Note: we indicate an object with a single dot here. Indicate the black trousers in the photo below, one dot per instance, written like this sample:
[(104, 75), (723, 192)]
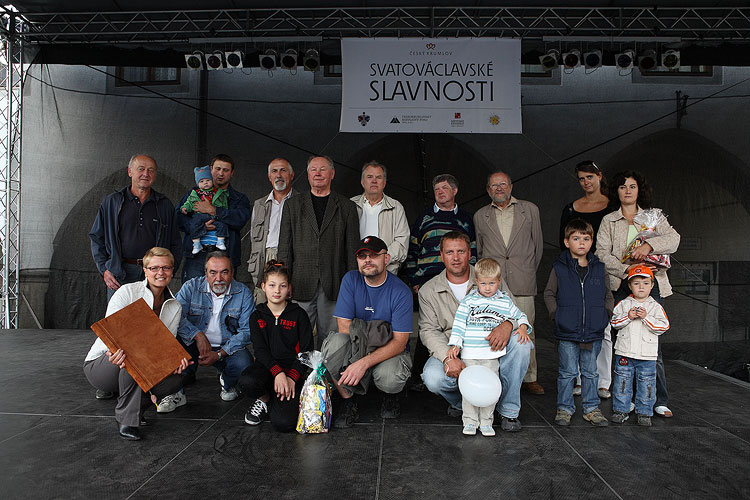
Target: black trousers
[(256, 381)]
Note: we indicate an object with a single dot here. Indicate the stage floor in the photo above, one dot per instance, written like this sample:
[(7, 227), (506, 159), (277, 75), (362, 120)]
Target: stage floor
[(58, 441)]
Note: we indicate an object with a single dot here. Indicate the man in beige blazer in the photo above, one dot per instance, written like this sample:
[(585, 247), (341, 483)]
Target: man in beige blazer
[(508, 230)]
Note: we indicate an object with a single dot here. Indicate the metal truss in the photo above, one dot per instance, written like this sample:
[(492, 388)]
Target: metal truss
[(11, 64), (696, 24)]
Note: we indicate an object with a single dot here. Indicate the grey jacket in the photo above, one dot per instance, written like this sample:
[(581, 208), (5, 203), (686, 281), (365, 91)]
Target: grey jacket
[(313, 254), (393, 229), (520, 259), (259, 228)]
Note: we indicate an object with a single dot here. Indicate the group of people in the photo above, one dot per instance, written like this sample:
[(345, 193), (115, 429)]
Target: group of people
[(342, 275)]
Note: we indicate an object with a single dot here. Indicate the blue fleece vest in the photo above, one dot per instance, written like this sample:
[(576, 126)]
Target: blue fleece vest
[(581, 314)]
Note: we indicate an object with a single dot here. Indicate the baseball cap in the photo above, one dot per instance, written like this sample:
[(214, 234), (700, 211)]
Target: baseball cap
[(371, 243), (644, 271)]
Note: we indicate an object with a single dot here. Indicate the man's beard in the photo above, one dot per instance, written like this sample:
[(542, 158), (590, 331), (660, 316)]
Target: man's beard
[(279, 184), (219, 287)]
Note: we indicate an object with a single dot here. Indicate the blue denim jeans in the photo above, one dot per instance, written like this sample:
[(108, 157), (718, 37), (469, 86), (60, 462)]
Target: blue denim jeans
[(644, 372), (513, 367), (570, 355)]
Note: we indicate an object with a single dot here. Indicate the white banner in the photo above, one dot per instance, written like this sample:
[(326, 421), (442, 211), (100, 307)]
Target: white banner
[(454, 85)]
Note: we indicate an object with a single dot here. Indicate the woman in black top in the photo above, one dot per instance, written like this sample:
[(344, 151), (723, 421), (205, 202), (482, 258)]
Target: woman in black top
[(592, 206)]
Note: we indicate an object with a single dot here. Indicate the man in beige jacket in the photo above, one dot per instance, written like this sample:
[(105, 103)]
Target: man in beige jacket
[(508, 230), (382, 216)]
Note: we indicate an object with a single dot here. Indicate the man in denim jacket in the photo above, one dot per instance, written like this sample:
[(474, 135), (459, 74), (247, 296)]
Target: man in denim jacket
[(215, 323)]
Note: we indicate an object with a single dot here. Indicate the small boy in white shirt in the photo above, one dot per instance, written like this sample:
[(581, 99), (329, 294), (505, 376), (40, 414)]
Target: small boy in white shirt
[(481, 310), (640, 320)]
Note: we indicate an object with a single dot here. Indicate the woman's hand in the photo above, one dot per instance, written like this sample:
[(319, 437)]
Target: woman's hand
[(183, 366), (117, 359), (283, 386), (640, 252)]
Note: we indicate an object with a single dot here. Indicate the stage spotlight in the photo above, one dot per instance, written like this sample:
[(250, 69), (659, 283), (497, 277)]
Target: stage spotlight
[(647, 61), (234, 59), (671, 59), (194, 61), (215, 60), (549, 61), (624, 60), (289, 59), (572, 59), (311, 61), (593, 59), (268, 60)]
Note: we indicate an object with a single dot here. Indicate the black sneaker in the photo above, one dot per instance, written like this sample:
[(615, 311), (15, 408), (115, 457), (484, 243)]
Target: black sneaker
[(346, 414), (454, 412), (100, 394), (256, 413), (391, 407), (510, 424)]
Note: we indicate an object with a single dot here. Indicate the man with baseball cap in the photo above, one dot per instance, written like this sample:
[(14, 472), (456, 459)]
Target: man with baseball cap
[(374, 349)]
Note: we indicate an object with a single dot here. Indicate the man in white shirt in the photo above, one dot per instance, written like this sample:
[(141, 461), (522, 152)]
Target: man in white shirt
[(266, 220), (382, 216)]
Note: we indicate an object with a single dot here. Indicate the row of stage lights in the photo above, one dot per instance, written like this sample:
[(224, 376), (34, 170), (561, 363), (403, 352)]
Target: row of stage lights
[(626, 60), (269, 60)]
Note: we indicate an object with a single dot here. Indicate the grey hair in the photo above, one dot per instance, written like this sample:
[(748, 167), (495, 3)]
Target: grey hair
[(132, 159), (375, 164), (326, 158), (280, 158), (510, 182)]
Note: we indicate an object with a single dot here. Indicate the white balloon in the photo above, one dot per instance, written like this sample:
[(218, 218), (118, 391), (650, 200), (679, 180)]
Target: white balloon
[(479, 385)]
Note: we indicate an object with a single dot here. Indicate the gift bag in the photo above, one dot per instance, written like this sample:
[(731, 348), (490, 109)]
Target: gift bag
[(646, 221), (315, 397)]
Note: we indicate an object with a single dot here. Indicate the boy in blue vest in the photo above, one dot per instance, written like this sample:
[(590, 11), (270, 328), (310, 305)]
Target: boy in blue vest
[(580, 303)]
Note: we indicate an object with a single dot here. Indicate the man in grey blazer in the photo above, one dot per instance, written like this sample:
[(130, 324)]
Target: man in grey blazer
[(318, 239), (508, 230), (265, 222)]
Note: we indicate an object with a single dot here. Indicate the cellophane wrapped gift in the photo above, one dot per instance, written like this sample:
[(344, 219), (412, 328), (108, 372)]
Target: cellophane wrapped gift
[(315, 398), (646, 221)]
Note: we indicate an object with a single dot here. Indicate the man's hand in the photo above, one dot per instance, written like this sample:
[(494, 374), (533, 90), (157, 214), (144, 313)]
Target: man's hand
[(204, 207), (117, 359), (640, 252), (210, 225), (184, 210), (110, 280), (183, 366), (500, 335), (284, 386), (523, 334), (204, 346), (453, 352), (453, 367), (353, 373), (208, 359)]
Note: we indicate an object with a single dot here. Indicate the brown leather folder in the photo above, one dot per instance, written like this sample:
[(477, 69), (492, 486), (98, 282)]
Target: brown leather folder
[(152, 352)]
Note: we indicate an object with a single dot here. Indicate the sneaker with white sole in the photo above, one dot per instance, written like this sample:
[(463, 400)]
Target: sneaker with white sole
[(487, 430), (619, 417), (663, 411), (227, 394), (603, 393), (172, 402), (256, 413), (577, 390), (470, 430)]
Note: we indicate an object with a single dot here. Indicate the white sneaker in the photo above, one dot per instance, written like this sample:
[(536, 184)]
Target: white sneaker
[(172, 402), (227, 394), (577, 390), (197, 247), (603, 393), (220, 244), (632, 407), (487, 430), (470, 430), (663, 411)]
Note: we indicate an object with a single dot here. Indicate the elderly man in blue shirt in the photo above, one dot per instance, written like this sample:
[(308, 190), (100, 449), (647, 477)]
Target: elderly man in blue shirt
[(215, 323)]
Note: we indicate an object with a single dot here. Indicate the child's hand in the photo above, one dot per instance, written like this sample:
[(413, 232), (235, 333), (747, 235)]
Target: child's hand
[(453, 352), (523, 334), (641, 312), (283, 386), (184, 210), (633, 313)]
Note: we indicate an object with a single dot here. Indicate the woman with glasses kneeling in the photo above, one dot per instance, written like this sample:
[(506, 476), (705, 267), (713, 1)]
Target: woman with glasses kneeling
[(106, 371)]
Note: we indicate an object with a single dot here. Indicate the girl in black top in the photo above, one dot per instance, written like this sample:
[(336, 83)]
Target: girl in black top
[(592, 206), (279, 330)]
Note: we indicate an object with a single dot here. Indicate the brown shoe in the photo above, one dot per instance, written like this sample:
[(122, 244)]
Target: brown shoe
[(533, 387)]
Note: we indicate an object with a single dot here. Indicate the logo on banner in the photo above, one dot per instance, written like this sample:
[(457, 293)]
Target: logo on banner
[(363, 119), (495, 120), (456, 116), (430, 46), (457, 122), (395, 120)]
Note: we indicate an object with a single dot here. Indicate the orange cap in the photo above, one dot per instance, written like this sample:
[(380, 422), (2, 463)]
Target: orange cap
[(640, 270)]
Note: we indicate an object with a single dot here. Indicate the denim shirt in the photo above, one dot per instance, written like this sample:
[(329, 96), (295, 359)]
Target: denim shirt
[(234, 319)]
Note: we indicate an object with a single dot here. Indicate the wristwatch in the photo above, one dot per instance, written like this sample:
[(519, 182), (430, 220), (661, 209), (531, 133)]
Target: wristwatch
[(219, 354)]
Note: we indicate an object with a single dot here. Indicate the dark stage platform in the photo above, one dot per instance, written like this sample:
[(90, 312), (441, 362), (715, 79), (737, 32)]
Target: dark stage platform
[(57, 441)]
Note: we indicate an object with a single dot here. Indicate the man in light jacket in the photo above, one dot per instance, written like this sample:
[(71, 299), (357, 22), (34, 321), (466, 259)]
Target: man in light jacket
[(382, 216)]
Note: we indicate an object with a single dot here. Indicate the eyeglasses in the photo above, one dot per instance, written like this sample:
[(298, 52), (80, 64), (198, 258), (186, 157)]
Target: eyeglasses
[(365, 255), (155, 269), (499, 185)]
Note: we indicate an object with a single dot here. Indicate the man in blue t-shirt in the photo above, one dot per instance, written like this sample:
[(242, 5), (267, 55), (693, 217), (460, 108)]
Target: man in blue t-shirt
[(373, 295)]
